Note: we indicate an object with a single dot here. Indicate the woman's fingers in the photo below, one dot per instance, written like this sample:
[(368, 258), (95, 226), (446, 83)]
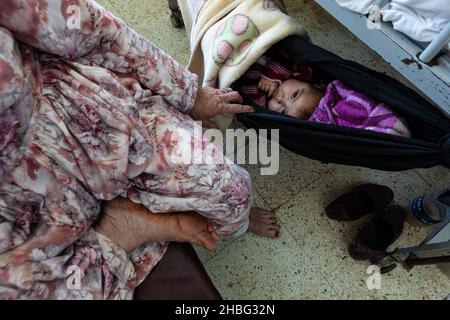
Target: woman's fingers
[(233, 96), (237, 108), (209, 124), (211, 102), (233, 103)]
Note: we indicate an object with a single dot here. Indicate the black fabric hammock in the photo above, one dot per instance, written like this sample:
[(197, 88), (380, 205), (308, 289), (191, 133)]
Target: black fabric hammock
[(429, 146)]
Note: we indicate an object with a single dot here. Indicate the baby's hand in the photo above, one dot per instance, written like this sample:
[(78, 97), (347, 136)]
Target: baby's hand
[(268, 86)]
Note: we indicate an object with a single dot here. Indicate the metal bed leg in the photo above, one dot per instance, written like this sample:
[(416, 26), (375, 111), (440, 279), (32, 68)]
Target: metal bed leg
[(428, 252), (380, 3), (436, 45), (414, 261), (176, 17)]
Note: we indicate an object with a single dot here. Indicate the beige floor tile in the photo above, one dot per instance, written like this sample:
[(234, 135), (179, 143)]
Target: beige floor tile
[(325, 241), (151, 19), (305, 218), (183, 56), (295, 173), (258, 268), (438, 177), (349, 280), (205, 255)]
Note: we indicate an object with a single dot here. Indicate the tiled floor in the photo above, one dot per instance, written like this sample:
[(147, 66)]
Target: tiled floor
[(310, 261)]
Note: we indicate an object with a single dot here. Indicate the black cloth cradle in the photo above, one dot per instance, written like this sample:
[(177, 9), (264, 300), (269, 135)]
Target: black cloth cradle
[(429, 146)]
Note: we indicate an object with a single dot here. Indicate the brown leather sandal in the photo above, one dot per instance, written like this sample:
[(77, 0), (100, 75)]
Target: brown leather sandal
[(382, 231), (360, 201)]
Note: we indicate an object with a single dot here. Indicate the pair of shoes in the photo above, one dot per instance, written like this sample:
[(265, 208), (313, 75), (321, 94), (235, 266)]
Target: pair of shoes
[(386, 226)]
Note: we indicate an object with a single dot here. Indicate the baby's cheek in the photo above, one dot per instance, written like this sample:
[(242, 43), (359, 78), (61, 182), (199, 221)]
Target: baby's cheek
[(297, 112), (272, 106)]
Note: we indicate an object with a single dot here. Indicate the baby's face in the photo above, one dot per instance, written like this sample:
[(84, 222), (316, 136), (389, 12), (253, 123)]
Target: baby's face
[(296, 98)]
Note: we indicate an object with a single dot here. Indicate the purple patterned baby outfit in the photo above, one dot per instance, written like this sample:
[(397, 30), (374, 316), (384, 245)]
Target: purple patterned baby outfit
[(343, 106)]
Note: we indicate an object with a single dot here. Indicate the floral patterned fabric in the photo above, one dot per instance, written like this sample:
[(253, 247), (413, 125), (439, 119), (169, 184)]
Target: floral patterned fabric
[(88, 114)]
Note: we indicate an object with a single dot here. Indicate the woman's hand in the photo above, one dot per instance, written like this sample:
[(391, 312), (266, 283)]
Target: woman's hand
[(211, 102), (268, 86)]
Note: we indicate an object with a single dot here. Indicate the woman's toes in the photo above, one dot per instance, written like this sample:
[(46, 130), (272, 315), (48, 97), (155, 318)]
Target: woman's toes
[(265, 231), (195, 229), (268, 221), (208, 241), (272, 220), (264, 223), (212, 230), (261, 213), (274, 233), (215, 235), (274, 230)]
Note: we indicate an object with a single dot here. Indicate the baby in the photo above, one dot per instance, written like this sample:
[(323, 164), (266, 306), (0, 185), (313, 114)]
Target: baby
[(269, 83), (294, 98), (272, 78)]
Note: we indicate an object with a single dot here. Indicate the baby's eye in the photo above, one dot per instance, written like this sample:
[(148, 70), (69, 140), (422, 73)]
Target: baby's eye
[(295, 94)]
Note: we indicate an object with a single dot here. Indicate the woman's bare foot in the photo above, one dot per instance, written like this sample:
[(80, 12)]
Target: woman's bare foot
[(131, 225), (192, 227), (264, 223)]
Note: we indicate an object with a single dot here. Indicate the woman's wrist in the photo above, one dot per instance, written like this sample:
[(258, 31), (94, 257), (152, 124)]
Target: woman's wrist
[(194, 97)]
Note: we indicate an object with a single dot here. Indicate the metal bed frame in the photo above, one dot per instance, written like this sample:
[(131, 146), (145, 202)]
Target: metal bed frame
[(435, 47)]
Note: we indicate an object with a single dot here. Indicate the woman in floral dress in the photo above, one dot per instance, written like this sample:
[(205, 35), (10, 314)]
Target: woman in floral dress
[(93, 118)]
